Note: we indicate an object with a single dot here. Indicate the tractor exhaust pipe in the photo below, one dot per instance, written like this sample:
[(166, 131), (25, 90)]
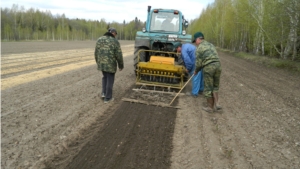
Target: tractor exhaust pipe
[(149, 8)]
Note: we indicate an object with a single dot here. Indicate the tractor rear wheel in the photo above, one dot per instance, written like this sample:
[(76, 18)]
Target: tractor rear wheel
[(136, 59)]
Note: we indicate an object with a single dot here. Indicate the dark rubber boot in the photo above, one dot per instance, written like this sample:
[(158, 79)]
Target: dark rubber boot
[(216, 101), (210, 104)]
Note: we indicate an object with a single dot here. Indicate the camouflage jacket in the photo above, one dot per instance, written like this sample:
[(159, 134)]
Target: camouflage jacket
[(108, 53), (206, 53)]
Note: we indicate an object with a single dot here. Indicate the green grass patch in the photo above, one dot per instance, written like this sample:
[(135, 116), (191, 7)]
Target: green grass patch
[(267, 61)]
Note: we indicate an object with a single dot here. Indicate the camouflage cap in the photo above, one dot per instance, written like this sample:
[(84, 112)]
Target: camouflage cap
[(198, 35), (112, 30)]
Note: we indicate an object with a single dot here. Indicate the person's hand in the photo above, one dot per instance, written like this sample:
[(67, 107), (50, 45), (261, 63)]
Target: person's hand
[(120, 69), (195, 73)]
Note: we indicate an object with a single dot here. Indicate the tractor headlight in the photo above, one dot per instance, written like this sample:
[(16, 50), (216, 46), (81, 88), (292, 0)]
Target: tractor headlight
[(144, 30), (183, 32)]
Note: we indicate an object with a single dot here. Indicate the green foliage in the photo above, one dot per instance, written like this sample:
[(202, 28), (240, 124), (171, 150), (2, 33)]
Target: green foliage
[(20, 24), (268, 61), (261, 27)]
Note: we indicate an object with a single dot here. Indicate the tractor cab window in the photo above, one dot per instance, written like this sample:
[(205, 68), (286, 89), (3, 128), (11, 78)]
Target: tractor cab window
[(164, 21)]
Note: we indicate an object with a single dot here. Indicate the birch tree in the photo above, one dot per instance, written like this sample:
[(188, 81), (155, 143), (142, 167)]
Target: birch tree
[(292, 8)]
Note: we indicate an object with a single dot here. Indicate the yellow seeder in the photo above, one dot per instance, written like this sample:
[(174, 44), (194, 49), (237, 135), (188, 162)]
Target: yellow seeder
[(160, 71)]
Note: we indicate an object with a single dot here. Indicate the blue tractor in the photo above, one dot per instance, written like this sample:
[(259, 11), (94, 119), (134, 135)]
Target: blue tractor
[(155, 61)]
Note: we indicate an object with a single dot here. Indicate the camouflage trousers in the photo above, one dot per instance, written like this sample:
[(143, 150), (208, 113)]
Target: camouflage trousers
[(212, 74)]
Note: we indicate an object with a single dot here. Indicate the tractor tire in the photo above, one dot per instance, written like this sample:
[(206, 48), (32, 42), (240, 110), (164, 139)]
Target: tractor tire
[(181, 63), (185, 77), (136, 58)]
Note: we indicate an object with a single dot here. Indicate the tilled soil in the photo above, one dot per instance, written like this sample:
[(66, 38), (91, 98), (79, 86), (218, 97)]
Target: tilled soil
[(142, 138), (52, 115)]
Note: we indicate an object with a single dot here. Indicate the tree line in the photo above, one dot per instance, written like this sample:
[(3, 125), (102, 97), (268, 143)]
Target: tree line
[(262, 27), (18, 24)]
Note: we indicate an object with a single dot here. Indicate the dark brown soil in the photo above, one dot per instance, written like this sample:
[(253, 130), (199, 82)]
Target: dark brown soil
[(135, 137), (42, 46)]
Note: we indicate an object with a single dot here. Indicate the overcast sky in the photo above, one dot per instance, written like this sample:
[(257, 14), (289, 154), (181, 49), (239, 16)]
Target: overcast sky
[(110, 10)]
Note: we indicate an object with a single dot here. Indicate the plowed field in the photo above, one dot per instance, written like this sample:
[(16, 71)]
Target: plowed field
[(52, 115)]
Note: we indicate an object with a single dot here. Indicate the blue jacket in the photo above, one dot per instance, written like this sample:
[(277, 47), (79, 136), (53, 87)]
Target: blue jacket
[(188, 53)]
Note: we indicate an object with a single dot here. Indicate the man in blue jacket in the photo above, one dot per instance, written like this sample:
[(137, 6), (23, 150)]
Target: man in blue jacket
[(188, 54)]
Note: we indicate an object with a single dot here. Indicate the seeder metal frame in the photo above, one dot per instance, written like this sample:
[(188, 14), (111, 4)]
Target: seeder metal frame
[(160, 71)]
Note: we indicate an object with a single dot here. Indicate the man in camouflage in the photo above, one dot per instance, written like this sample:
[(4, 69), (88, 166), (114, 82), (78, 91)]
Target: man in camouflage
[(108, 56), (207, 59)]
